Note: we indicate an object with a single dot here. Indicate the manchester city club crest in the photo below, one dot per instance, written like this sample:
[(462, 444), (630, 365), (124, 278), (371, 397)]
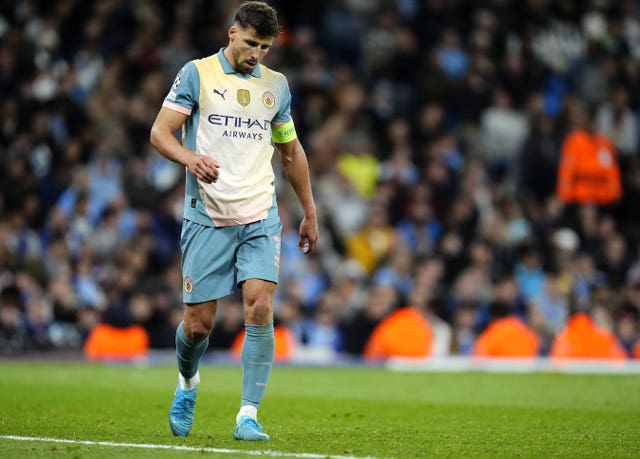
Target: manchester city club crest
[(268, 100), (188, 285), (244, 97)]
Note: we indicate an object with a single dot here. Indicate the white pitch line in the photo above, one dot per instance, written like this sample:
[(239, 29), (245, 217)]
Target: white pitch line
[(182, 448)]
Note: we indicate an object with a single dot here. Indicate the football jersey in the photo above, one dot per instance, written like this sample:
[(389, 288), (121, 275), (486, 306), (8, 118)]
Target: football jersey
[(230, 119)]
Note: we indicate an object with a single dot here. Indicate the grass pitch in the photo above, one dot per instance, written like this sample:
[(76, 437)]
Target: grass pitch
[(317, 412)]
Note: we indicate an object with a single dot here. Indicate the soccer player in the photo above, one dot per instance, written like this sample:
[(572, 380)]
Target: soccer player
[(232, 111)]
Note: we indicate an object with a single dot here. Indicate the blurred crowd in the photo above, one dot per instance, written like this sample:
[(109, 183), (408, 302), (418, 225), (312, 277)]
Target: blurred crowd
[(436, 132)]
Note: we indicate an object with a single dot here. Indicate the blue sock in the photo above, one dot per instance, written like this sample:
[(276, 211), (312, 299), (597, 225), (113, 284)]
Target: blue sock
[(257, 354), (188, 352)]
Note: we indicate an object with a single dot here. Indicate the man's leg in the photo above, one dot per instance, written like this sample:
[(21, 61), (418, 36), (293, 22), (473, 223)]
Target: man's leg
[(192, 340), (256, 357)]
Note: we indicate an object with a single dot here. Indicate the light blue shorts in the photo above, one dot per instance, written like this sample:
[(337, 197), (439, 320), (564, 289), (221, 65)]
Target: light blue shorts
[(215, 260)]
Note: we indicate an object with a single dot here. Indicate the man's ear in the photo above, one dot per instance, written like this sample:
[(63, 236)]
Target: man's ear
[(232, 32)]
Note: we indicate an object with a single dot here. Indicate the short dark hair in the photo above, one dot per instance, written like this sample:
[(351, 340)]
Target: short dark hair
[(259, 15)]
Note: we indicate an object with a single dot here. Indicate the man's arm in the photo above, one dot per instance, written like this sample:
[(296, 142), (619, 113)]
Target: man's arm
[(294, 162), (169, 121)]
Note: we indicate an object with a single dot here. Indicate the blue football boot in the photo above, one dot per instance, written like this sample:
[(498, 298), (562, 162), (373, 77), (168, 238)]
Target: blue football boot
[(249, 429)]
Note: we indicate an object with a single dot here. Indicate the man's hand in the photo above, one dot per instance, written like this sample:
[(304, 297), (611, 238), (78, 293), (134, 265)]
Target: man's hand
[(162, 137), (308, 234), (204, 168)]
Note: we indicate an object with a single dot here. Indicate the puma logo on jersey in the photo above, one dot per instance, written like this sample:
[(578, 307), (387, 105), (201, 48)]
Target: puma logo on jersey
[(221, 94)]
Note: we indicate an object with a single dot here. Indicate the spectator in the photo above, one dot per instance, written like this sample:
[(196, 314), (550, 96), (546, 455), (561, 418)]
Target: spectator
[(548, 310), (626, 328), (358, 163), (374, 241), (529, 274), (419, 231), (425, 300), (451, 56), (503, 133), (349, 287), (322, 329), (539, 158), (618, 122), (357, 328), (398, 271), (13, 333)]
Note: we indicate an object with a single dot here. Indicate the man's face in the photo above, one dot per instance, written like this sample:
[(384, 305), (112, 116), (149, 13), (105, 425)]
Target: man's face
[(247, 49)]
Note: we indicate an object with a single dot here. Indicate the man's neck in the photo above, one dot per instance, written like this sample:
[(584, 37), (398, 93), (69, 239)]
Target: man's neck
[(229, 57)]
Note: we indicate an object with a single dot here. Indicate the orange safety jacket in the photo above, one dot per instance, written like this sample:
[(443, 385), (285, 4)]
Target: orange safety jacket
[(507, 337), (404, 333), (581, 338), (588, 171), (106, 342)]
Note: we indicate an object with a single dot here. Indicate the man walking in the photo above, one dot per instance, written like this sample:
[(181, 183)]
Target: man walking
[(232, 111)]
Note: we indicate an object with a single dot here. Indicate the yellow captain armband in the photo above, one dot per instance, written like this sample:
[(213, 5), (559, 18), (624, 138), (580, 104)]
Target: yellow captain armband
[(284, 133)]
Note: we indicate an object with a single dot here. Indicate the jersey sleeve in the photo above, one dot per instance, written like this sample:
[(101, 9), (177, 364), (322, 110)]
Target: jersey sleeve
[(284, 112), (283, 129), (185, 91)]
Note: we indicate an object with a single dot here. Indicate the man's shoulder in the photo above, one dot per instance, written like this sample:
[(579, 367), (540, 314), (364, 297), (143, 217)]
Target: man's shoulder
[(208, 61), (273, 75)]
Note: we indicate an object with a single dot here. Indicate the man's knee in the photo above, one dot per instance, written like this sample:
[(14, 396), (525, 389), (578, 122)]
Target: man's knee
[(258, 302), (198, 322), (258, 312), (197, 331)]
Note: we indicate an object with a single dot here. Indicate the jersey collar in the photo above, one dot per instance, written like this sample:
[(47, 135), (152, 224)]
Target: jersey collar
[(226, 66)]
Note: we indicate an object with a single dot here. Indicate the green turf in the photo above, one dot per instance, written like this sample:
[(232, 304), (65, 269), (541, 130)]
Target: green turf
[(353, 412)]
